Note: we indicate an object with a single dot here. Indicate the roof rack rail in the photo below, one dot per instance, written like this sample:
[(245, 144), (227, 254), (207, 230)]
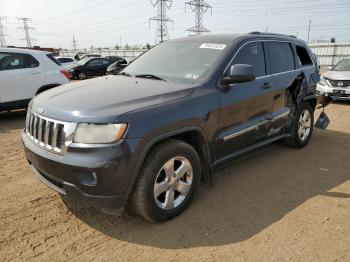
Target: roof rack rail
[(266, 33)]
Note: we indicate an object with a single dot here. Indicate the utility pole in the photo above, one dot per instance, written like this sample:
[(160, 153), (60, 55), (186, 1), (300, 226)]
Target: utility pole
[(74, 43), (308, 32), (199, 7), (161, 18), (2, 34), (26, 29)]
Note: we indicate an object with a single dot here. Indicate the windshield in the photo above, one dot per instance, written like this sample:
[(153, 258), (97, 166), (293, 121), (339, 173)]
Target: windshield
[(343, 65), (84, 60), (184, 62)]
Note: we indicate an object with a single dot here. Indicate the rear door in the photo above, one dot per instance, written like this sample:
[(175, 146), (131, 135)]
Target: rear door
[(284, 74), (245, 107), (20, 76)]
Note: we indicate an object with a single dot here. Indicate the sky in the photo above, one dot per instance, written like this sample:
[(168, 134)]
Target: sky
[(105, 23)]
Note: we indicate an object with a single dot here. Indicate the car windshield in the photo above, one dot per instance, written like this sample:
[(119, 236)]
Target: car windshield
[(343, 65), (84, 60), (184, 62)]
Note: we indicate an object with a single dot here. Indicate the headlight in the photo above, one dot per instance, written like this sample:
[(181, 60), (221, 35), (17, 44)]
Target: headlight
[(323, 81), (99, 133)]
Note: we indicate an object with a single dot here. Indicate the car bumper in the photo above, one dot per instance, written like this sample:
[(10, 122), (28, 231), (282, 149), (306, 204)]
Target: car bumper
[(335, 92), (99, 177)]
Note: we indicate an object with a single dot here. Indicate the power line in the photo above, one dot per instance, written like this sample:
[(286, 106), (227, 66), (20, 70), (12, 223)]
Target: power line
[(161, 18), (26, 30), (199, 7), (2, 35)]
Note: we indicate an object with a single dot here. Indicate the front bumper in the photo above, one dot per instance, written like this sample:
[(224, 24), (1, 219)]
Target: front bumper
[(99, 177), (336, 93)]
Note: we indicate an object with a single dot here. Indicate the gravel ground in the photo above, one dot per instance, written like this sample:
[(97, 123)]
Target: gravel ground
[(277, 204)]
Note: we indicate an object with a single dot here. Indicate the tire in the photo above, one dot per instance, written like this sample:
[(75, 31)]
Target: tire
[(151, 197), (81, 76), (303, 120)]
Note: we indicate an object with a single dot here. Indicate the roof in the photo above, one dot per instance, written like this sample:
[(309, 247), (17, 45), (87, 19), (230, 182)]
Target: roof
[(231, 37), (22, 50)]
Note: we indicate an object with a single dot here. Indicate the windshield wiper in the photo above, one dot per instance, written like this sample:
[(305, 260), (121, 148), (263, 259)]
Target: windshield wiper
[(150, 76)]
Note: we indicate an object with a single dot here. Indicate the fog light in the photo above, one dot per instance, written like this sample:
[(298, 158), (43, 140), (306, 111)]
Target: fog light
[(87, 178)]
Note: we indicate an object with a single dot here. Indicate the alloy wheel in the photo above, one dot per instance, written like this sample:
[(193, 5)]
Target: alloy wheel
[(173, 183)]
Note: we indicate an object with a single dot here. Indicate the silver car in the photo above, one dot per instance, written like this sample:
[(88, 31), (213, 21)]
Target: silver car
[(336, 82)]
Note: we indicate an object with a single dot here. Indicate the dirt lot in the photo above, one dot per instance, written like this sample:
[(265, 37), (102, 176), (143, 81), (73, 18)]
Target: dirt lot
[(278, 204)]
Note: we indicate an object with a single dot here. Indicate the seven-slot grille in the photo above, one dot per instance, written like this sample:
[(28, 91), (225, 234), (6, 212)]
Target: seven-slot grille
[(46, 132), (334, 83)]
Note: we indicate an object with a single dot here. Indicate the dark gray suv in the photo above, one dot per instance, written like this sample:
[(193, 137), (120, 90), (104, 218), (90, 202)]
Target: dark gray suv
[(147, 137)]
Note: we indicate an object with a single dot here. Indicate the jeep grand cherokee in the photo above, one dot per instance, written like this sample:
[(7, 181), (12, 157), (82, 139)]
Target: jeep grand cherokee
[(146, 138)]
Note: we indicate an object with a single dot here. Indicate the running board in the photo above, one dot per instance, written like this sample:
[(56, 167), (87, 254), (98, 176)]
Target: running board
[(248, 149)]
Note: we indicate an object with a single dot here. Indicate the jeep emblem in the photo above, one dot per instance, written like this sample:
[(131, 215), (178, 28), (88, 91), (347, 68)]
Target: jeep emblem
[(40, 110), (340, 84)]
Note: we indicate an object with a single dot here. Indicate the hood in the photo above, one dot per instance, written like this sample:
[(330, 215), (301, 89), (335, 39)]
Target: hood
[(337, 75), (103, 99)]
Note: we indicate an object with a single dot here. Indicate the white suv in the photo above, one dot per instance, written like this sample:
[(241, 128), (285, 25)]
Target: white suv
[(25, 73)]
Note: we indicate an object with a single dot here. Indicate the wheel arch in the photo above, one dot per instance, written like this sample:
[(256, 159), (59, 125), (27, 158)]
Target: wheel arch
[(46, 87), (192, 135)]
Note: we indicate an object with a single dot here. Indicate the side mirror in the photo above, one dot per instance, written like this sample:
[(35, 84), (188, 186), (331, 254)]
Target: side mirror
[(239, 73)]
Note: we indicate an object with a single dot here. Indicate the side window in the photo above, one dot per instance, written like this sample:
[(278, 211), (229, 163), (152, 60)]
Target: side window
[(303, 56), (12, 61), (252, 54), (93, 63), (106, 62), (281, 57)]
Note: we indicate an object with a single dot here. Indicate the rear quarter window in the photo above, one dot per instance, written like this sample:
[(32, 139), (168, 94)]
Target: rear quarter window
[(281, 57), (303, 56), (53, 59)]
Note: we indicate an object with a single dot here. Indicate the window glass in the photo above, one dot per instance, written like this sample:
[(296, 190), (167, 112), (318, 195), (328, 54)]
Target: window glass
[(65, 60), (303, 56), (281, 57), (94, 62), (106, 61), (252, 54), (53, 59), (12, 61), (343, 65)]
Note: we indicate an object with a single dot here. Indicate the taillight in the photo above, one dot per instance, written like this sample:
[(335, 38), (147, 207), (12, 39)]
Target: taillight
[(66, 74)]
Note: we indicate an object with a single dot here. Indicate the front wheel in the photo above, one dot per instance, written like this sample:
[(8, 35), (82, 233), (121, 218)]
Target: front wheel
[(82, 76), (302, 126), (167, 181)]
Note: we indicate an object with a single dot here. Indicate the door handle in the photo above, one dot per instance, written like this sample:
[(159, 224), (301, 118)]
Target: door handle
[(266, 86)]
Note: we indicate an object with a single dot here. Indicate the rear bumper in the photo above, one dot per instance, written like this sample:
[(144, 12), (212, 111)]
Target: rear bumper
[(99, 177)]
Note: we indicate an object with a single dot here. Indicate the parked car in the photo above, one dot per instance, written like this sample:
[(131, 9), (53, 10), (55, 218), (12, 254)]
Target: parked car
[(25, 73), (66, 61), (116, 67), (336, 82), (89, 67), (147, 137)]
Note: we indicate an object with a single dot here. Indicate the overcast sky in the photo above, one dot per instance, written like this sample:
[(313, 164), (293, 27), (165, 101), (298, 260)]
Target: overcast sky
[(103, 23)]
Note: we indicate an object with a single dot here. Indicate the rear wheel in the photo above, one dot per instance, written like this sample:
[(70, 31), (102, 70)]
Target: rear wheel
[(302, 127), (167, 181), (81, 76)]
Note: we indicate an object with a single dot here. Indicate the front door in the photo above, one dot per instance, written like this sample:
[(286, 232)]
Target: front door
[(245, 107)]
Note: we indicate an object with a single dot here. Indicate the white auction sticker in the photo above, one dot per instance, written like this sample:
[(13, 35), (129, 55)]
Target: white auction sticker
[(213, 46)]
